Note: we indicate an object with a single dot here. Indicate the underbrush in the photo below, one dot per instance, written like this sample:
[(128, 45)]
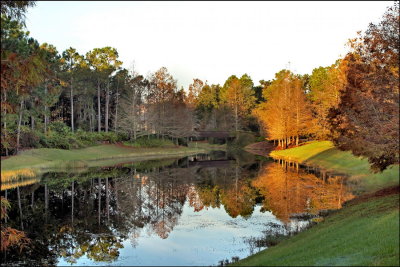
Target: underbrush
[(60, 136)]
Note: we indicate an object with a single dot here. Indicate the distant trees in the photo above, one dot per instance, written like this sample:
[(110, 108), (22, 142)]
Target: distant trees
[(354, 102), (238, 95), (131, 106), (103, 61), (366, 120), (286, 115), (208, 107), (325, 84), (71, 61)]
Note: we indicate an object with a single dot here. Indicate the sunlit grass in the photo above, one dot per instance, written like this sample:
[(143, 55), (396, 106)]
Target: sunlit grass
[(324, 155), (54, 158), (364, 234), (304, 152)]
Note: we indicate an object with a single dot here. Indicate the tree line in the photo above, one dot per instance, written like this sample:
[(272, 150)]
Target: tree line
[(354, 102), (53, 99)]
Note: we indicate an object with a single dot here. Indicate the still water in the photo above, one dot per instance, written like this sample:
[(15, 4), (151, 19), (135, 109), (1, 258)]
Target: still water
[(197, 210)]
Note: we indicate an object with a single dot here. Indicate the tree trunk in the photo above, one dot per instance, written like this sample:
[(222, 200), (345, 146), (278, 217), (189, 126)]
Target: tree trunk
[(99, 201), (107, 105), (20, 208), (107, 201), (72, 200), (236, 118), (19, 126), (5, 120), (214, 118), (116, 112), (32, 123), (72, 107), (45, 109), (98, 107)]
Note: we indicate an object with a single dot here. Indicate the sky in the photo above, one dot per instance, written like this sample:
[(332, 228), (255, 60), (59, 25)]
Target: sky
[(207, 40)]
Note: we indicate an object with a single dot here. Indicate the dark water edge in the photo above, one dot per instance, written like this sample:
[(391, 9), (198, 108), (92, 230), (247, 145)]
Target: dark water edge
[(197, 210)]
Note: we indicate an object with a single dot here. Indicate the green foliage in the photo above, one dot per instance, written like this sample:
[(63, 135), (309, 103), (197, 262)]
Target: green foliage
[(242, 139)]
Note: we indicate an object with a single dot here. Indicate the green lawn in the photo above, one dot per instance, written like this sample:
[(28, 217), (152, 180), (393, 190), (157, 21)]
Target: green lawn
[(359, 234), (49, 157), (324, 155), (363, 234)]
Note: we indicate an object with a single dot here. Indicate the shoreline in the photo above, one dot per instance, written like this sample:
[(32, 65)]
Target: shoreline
[(377, 204), (37, 160)]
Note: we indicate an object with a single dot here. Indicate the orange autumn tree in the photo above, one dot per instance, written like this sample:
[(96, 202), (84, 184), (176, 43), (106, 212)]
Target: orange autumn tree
[(285, 116)]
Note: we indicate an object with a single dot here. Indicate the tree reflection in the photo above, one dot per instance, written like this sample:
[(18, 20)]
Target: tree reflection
[(288, 190), (90, 213)]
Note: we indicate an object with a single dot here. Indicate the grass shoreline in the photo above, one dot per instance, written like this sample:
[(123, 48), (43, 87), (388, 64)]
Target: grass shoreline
[(364, 232), (101, 155), (323, 154)]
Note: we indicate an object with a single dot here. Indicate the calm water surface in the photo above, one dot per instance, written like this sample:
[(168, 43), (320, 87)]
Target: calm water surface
[(195, 210)]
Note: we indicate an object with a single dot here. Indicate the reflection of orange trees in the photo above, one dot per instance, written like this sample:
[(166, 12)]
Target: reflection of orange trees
[(7, 176), (209, 196), (19, 183), (287, 191), (239, 199), (194, 199), (10, 237), (230, 187), (104, 248)]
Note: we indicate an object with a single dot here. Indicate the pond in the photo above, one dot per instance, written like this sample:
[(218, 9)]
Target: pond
[(197, 210)]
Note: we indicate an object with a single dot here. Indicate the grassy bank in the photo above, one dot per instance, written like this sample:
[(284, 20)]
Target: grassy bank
[(324, 155), (364, 233), (50, 158)]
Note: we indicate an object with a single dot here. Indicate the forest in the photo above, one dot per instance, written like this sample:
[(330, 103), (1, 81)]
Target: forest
[(104, 164), (72, 99)]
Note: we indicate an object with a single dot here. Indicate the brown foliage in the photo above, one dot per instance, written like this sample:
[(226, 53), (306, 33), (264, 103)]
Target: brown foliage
[(11, 237), (367, 118)]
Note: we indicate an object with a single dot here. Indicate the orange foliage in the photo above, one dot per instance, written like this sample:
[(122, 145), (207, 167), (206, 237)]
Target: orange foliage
[(287, 191)]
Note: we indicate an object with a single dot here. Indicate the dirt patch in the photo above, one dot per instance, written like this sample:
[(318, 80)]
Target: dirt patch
[(392, 190)]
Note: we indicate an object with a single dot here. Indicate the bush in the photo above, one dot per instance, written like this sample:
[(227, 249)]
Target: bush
[(29, 138), (243, 139), (59, 127), (110, 137)]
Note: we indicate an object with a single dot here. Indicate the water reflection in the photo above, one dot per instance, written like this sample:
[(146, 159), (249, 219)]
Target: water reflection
[(191, 211), (288, 189)]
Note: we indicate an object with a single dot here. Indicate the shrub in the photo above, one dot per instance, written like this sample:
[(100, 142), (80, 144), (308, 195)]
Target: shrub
[(59, 127), (29, 138), (110, 137), (243, 139)]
